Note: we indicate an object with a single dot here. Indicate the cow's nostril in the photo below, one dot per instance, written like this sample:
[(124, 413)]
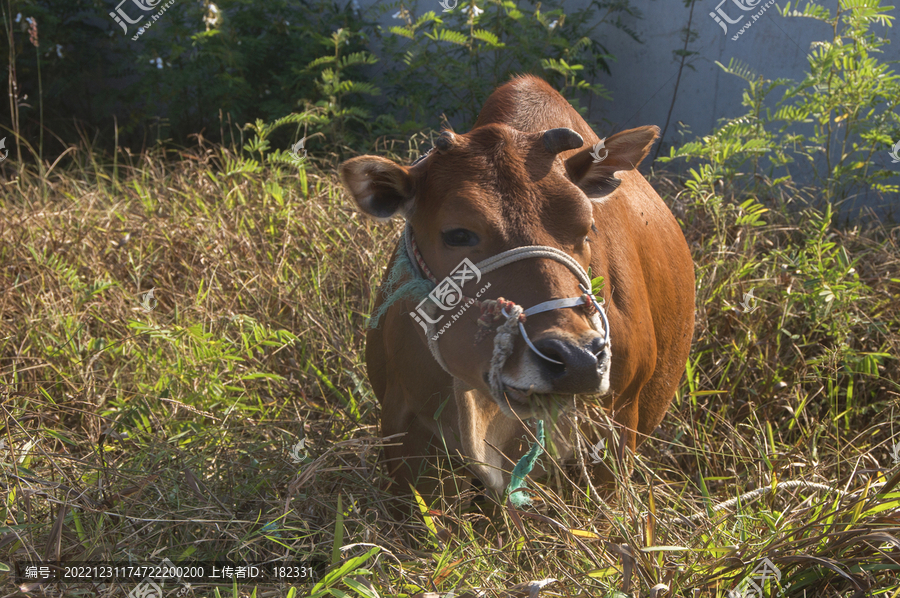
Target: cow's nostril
[(597, 345), (557, 351), (578, 371), (555, 370)]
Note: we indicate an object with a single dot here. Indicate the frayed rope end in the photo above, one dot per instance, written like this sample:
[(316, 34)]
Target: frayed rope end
[(523, 468), (413, 288)]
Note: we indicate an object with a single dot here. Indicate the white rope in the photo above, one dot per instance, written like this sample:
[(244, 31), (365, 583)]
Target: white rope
[(504, 340), (520, 253), (432, 339), (754, 494), (554, 304)]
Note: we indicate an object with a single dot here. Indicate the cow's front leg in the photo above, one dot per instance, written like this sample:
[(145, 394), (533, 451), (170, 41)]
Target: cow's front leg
[(492, 441), (423, 455)]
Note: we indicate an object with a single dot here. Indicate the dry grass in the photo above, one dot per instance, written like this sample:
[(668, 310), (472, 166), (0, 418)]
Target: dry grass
[(135, 434)]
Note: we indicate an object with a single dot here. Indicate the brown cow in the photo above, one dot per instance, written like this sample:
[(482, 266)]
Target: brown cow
[(520, 179)]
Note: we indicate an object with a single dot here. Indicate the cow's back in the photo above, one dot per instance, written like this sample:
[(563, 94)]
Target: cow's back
[(529, 104)]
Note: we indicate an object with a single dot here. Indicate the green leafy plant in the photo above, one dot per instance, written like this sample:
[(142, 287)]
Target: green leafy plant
[(203, 67), (465, 53), (597, 285), (829, 125), (260, 143), (850, 97), (335, 87), (338, 117), (345, 573)]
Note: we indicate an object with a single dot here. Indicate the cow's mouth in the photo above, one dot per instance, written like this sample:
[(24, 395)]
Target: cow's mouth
[(526, 403), (517, 396)]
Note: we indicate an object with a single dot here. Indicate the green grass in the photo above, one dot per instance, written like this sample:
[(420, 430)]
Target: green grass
[(168, 433)]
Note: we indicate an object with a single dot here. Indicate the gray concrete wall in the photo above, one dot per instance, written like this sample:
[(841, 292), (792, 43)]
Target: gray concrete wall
[(644, 76), (773, 46), (643, 82)]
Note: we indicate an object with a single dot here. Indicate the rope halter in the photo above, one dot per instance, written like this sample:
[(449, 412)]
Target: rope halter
[(495, 309)]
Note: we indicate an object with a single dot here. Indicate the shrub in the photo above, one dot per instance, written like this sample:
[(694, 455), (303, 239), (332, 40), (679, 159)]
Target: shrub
[(199, 66), (448, 63), (826, 129)]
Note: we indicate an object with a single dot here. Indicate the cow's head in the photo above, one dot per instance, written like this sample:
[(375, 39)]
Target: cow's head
[(491, 190)]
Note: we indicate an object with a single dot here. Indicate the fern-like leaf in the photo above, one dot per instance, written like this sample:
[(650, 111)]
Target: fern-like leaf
[(487, 37), (454, 37), (739, 69)]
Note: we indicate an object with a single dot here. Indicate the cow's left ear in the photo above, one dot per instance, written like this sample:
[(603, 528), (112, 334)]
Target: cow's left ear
[(592, 168), (380, 187)]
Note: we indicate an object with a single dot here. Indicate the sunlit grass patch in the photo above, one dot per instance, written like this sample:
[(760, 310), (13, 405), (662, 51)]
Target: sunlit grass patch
[(229, 416)]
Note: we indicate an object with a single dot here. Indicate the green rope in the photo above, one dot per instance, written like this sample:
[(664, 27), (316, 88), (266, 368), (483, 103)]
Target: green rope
[(414, 288), (523, 468)]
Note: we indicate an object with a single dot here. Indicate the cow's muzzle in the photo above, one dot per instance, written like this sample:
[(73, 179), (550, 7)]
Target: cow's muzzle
[(572, 368)]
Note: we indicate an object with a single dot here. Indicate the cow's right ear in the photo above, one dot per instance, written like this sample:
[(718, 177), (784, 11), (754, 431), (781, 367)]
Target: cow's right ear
[(380, 187)]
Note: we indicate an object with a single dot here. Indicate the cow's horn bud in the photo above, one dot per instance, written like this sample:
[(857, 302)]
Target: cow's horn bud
[(562, 139), (444, 142)]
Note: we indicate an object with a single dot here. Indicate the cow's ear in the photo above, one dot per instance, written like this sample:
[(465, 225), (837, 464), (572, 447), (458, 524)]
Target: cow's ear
[(380, 187), (593, 168)]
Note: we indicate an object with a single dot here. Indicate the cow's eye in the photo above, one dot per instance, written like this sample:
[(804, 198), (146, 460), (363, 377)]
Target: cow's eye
[(460, 237)]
